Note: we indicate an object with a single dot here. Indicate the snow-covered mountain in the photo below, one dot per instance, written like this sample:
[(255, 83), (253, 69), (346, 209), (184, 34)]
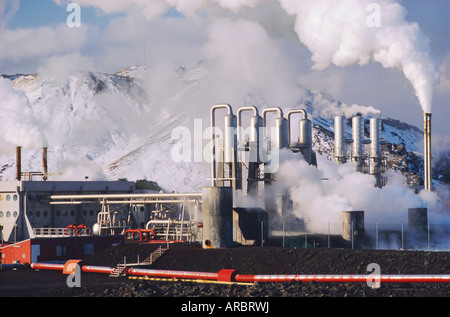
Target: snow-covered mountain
[(111, 126)]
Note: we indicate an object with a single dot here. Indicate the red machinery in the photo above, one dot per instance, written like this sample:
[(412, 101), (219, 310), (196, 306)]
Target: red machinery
[(78, 229), (140, 235)]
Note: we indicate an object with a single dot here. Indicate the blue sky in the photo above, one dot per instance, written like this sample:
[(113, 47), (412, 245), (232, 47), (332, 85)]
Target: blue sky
[(118, 33), (37, 13)]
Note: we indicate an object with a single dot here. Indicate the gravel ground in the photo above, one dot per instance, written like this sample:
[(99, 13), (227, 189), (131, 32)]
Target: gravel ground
[(24, 281)]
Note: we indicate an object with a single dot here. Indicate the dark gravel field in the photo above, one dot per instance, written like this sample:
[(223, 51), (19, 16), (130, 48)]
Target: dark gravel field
[(25, 281)]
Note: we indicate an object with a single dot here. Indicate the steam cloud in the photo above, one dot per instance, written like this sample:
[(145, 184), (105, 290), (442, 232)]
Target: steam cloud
[(18, 126), (337, 32)]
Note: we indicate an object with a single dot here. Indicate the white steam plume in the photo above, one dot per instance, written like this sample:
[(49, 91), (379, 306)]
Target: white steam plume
[(339, 32), (321, 194), (19, 125)]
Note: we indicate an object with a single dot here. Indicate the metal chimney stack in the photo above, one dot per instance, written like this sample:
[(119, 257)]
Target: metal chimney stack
[(427, 151), (18, 163), (44, 164)]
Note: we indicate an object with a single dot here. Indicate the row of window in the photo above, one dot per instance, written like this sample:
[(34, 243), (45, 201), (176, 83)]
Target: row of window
[(38, 213), (8, 197), (8, 214), (58, 213)]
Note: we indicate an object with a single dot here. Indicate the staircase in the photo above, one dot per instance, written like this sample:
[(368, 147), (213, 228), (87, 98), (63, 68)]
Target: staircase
[(118, 270), (155, 255)]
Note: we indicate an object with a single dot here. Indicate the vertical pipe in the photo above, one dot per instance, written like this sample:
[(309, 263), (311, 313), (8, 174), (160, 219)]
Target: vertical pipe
[(213, 139), (305, 134), (282, 135), (253, 147), (44, 164), (375, 150), (357, 148), (18, 163), (339, 139), (280, 142), (305, 117), (427, 151)]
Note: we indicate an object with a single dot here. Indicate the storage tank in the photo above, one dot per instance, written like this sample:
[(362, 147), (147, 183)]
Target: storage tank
[(358, 135), (281, 136), (375, 137)]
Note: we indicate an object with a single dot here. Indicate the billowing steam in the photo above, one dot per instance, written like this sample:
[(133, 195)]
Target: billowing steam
[(341, 33), (19, 119)]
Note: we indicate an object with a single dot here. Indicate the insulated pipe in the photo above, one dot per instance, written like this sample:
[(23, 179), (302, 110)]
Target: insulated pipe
[(47, 266), (144, 201), (305, 117), (428, 278), (97, 269), (230, 274), (280, 121), (172, 274), (239, 120), (213, 137), (254, 130), (126, 196)]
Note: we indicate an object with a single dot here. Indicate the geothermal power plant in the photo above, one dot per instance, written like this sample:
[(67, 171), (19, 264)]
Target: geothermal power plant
[(55, 220)]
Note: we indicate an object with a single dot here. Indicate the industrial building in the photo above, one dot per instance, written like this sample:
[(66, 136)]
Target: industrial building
[(34, 211)]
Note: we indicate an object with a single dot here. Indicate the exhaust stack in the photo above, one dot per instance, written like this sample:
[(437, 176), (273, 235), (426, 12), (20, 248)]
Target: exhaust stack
[(44, 164), (18, 163), (427, 151)]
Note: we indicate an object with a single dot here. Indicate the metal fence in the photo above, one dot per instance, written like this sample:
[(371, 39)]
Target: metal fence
[(383, 236)]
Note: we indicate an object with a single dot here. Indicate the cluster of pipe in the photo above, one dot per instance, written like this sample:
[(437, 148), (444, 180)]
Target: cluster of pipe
[(257, 145), (43, 174), (228, 161), (375, 165)]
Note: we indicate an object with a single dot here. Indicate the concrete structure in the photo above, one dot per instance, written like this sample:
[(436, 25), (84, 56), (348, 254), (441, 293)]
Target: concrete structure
[(353, 226), (217, 212), (418, 220)]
